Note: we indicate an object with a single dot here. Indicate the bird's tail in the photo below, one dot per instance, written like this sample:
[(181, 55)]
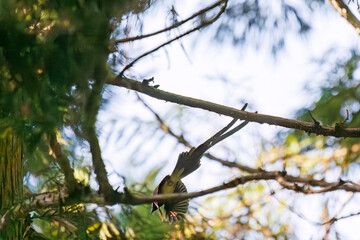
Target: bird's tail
[(186, 164), (189, 161)]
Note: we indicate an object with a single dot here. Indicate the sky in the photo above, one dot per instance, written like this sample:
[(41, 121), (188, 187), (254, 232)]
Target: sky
[(274, 86)]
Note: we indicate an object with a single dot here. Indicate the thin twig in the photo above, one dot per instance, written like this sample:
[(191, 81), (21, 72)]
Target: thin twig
[(347, 117), (198, 13), (293, 210), (339, 218), (202, 25), (334, 219), (316, 122)]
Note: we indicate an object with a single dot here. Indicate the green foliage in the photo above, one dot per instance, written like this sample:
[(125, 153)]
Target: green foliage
[(51, 55), (53, 66), (339, 93), (338, 106), (322, 157), (244, 212), (137, 221), (141, 225)]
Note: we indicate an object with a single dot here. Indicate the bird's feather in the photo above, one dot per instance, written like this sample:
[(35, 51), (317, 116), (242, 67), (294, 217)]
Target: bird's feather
[(175, 211), (186, 164)]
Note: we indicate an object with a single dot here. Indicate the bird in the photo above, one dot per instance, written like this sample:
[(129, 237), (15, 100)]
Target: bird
[(187, 163)]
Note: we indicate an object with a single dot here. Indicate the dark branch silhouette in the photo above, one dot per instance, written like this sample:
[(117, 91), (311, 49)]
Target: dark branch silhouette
[(308, 127), (64, 163), (202, 25), (199, 13)]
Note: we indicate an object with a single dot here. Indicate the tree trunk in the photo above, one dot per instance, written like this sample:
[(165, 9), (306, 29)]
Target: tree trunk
[(11, 184)]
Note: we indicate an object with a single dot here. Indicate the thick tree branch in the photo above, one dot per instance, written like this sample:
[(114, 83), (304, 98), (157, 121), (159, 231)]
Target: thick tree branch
[(279, 176), (201, 12), (98, 163), (91, 110), (64, 163), (202, 25), (299, 184), (304, 185), (308, 127), (346, 13)]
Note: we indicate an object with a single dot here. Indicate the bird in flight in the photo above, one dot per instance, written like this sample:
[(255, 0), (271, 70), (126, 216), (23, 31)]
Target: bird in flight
[(187, 163)]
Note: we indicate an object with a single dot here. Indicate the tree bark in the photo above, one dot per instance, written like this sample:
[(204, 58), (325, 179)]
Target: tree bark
[(11, 184)]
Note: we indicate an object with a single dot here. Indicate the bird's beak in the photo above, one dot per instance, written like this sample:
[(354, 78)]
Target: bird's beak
[(153, 209)]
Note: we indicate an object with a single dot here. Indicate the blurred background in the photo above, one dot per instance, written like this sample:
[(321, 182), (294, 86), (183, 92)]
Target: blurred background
[(283, 58)]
